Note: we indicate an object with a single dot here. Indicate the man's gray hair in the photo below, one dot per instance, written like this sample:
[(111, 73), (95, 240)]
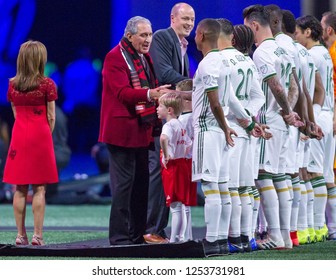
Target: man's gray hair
[(132, 24)]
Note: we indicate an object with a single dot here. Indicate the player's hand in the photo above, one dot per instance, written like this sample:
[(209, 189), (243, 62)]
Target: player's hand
[(257, 131), (293, 119), (266, 134), (228, 136)]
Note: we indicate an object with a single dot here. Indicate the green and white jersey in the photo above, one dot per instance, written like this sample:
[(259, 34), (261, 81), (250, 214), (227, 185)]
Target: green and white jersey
[(272, 60), (324, 65), (213, 72), (307, 69), (246, 86)]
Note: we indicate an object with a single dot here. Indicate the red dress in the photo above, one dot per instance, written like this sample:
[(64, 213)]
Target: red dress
[(31, 157)]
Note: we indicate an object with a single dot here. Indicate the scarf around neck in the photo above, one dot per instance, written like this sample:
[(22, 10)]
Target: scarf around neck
[(138, 73)]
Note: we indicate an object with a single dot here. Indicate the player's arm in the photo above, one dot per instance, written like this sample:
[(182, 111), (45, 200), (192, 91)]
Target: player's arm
[(164, 146), (217, 111), (294, 89)]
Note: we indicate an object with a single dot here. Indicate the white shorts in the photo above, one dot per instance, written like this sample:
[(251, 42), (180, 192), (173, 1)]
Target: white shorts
[(241, 162), (303, 153), (210, 160), (293, 143), (273, 152), (255, 147), (322, 151)]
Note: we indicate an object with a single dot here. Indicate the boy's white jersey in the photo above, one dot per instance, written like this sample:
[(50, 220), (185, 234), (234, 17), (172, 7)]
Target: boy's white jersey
[(179, 142), (287, 43), (272, 60), (213, 72), (186, 121), (306, 69), (324, 65), (246, 86)]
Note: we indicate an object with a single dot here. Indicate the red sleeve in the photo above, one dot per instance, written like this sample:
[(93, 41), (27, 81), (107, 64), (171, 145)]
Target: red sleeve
[(116, 77), (51, 90), (10, 92)]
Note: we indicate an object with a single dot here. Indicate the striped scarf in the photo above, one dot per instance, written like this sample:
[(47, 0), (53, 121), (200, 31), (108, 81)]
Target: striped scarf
[(145, 110)]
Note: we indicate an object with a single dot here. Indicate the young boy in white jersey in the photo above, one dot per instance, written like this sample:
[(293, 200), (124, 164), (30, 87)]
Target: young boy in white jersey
[(175, 145), (270, 61), (211, 93), (245, 83), (308, 33), (186, 119)]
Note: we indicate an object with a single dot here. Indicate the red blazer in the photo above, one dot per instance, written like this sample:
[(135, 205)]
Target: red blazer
[(118, 120)]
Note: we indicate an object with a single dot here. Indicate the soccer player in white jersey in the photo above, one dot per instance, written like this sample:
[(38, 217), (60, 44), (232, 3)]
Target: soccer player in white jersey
[(312, 87), (211, 93), (308, 33), (245, 83), (328, 23), (283, 182), (270, 61)]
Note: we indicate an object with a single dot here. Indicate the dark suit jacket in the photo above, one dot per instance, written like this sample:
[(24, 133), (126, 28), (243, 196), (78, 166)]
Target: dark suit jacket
[(166, 54), (118, 120)]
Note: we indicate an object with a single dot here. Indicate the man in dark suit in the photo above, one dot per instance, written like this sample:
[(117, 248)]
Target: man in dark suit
[(129, 83), (171, 65)]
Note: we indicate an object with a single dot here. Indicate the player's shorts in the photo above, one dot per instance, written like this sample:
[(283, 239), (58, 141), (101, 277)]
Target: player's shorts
[(241, 161), (210, 160), (293, 142), (255, 147), (322, 151), (273, 152), (303, 153)]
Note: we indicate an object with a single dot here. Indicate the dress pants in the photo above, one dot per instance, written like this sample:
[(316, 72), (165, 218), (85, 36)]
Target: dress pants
[(129, 177), (158, 212)]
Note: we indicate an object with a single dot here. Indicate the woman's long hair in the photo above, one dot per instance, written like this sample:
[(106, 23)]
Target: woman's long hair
[(30, 66)]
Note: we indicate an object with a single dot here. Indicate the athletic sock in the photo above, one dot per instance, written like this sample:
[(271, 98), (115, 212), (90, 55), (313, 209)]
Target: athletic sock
[(234, 228), (320, 201), (270, 204), (212, 210), (331, 210), (295, 203), (310, 204), (246, 211), (226, 208), (285, 204), (188, 231), (289, 183), (177, 222), (256, 206), (302, 223)]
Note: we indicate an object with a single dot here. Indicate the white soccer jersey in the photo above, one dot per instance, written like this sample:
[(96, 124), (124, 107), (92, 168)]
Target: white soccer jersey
[(307, 69), (246, 86), (272, 60), (324, 65), (287, 43), (213, 72), (186, 120), (179, 142)]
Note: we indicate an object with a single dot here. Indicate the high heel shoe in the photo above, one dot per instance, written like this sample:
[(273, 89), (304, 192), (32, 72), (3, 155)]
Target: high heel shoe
[(37, 241), (21, 240)]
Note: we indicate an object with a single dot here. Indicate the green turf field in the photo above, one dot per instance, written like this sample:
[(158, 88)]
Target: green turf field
[(61, 223)]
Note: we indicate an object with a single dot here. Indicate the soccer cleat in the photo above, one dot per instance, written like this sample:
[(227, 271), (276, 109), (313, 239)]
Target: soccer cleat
[(332, 236), (303, 236), (253, 244), (288, 244), (211, 249), (312, 235), (294, 238), (235, 245), (320, 235), (325, 231), (269, 244), (223, 247), (246, 243)]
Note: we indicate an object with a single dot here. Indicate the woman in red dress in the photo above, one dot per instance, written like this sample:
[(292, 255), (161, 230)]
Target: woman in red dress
[(31, 158)]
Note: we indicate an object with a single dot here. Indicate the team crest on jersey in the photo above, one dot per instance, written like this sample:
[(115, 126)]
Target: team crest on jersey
[(207, 80), (264, 69)]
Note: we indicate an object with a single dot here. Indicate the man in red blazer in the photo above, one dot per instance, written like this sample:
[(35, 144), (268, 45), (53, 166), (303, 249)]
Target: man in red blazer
[(127, 116)]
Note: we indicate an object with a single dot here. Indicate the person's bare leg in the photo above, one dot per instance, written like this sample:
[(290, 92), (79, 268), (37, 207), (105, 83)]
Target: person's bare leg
[(38, 206), (19, 207)]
